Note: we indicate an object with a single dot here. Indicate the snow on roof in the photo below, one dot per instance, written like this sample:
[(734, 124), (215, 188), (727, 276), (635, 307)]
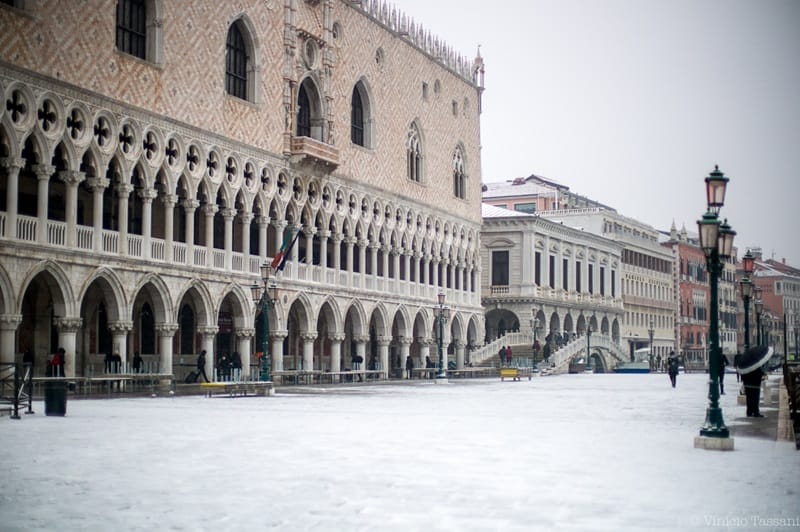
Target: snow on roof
[(492, 211)]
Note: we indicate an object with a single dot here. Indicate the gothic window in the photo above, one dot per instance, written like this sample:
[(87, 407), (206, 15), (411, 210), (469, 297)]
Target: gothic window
[(414, 154), (132, 28), (459, 177), (357, 118), (303, 113), (236, 62)]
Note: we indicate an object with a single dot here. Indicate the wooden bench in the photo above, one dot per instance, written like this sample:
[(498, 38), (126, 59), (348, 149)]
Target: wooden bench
[(515, 373), (234, 389)]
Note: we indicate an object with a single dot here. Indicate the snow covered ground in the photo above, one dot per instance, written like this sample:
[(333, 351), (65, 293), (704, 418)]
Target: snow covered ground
[(573, 452)]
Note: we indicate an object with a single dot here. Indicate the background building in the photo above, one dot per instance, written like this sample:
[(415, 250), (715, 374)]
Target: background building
[(155, 153)]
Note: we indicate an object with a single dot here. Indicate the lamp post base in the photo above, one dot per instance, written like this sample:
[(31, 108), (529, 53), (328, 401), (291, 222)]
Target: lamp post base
[(713, 443)]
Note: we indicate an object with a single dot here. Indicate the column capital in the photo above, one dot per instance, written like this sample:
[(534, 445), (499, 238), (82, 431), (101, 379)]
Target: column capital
[(10, 322), (68, 325), (336, 337), (208, 330), (97, 184), (308, 336), (190, 204), (361, 339), (43, 171), (246, 217), (210, 209), (279, 335), (169, 199), (228, 214), (120, 326), (72, 177), (148, 195), (167, 329), (262, 220), (245, 333), (12, 163), (324, 234), (123, 190), (384, 340), (405, 340)]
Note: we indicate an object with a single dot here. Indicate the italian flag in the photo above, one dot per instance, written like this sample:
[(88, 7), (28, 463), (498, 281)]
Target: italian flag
[(279, 261)]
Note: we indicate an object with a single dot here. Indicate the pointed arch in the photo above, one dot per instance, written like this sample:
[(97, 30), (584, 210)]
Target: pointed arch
[(361, 115), (241, 60), (414, 153), (310, 113)]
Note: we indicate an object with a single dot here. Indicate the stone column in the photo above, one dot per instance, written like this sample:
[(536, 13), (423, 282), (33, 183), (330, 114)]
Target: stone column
[(361, 350), (407, 260), (12, 165), (459, 345), (209, 210), (244, 221), (43, 173), (362, 262), (349, 242), (436, 261), (263, 252), (383, 354), (71, 179), (405, 349), (228, 216), (67, 334), (308, 234), (169, 201), (308, 349), (323, 250), (209, 333), (119, 334), (147, 195), (189, 206), (280, 228), (8, 333), (373, 259), (276, 349), (424, 349), (123, 191), (97, 186), (337, 252), (244, 339), (336, 350), (166, 332)]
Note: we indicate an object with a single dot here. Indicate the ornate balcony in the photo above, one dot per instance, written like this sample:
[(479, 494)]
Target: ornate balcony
[(306, 150)]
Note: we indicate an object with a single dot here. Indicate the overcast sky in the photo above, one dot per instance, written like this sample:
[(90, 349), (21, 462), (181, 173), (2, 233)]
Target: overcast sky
[(633, 102)]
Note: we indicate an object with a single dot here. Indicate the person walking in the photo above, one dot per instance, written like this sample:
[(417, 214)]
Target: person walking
[(672, 368), (752, 391), (137, 362), (503, 356), (723, 363), (409, 366), (508, 356), (201, 365)]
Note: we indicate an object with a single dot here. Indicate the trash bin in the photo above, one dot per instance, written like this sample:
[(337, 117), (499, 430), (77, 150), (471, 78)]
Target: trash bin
[(55, 398)]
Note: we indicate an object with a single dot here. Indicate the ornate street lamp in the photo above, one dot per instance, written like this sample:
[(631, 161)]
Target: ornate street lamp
[(651, 331), (746, 287), (265, 295), (534, 326), (759, 306), (716, 241), (444, 315)]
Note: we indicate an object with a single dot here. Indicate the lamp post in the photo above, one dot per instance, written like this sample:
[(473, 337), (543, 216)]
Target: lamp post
[(589, 331), (747, 291), (264, 295), (759, 306), (716, 241), (652, 332), (442, 318), (534, 326)]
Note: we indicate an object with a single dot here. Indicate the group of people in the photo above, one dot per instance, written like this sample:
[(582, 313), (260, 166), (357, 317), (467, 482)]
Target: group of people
[(228, 366), (506, 356)]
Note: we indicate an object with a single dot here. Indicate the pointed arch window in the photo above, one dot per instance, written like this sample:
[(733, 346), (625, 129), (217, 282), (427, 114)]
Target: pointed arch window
[(357, 118), (132, 27), (459, 177), (414, 154), (303, 113), (236, 59)]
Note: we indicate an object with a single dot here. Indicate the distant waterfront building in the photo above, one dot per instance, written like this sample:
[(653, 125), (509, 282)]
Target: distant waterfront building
[(154, 154), (565, 278), (780, 285)]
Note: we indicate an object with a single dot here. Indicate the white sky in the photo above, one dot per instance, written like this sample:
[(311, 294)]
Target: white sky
[(573, 452), (633, 102)]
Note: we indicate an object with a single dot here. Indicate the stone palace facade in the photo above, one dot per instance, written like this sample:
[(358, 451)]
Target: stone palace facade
[(154, 154)]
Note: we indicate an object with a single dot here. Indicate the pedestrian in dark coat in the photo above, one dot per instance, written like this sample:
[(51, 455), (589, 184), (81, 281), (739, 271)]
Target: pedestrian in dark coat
[(672, 368), (137, 362), (503, 351), (723, 363), (508, 355), (409, 366), (752, 391), (201, 365)]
